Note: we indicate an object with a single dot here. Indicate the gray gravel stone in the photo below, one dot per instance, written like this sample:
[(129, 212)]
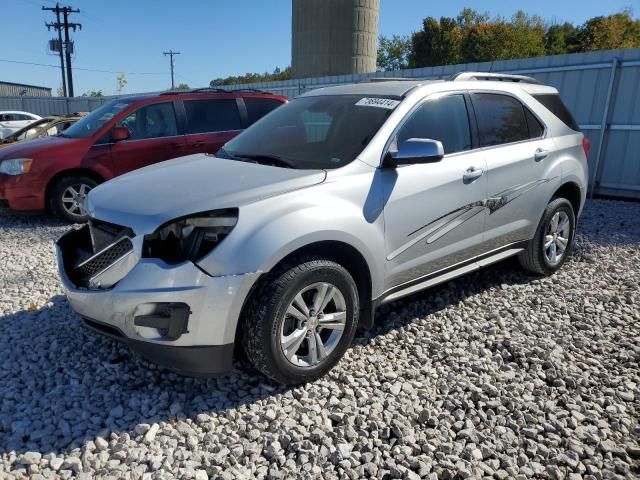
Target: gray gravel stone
[(497, 375)]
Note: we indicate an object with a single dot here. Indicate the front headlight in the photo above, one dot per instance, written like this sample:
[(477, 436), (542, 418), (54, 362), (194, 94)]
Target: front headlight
[(15, 166), (190, 238)]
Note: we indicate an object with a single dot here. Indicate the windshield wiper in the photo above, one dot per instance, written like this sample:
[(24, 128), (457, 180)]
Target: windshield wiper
[(263, 158)]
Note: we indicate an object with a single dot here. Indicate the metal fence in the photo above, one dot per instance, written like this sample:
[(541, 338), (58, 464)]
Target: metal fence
[(602, 89)]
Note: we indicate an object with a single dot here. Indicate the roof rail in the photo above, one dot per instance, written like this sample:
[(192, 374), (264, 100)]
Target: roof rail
[(495, 77), (212, 89), (389, 79), (254, 90), (193, 90), (208, 89)]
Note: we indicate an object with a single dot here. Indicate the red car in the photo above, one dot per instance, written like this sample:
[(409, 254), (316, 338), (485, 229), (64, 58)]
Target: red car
[(56, 173)]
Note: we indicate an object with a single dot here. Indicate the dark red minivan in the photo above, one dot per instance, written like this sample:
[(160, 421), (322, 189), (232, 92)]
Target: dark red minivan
[(120, 136)]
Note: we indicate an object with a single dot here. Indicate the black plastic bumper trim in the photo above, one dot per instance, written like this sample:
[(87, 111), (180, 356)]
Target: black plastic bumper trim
[(196, 361), (171, 320)]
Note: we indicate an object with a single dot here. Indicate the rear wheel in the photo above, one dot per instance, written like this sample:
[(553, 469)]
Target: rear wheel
[(68, 195), (551, 245), (302, 320)]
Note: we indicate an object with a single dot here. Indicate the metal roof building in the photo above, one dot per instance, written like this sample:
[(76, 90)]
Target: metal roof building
[(9, 89)]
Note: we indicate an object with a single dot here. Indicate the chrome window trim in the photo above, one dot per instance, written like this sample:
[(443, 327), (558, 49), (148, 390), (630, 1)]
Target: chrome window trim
[(410, 113), (524, 105)]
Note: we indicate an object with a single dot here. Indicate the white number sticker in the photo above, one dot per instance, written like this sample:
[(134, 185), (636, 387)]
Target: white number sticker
[(378, 102)]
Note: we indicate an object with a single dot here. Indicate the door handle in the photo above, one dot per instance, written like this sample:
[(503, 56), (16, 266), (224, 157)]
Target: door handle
[(472, 173), (540, 154)]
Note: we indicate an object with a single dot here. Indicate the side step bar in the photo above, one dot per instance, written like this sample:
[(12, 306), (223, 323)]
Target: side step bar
[(447, 274)]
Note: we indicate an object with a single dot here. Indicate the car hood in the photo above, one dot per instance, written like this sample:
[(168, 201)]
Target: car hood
[(34, 147), (145, 199)]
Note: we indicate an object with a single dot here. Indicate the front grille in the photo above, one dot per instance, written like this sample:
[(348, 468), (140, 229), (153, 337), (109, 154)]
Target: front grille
[(104, 233), (104, 259), (82, 262)]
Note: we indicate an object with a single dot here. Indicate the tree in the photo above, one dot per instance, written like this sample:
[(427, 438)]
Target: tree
[(122, 82), (93, 93), (473, 37), (276, 75), (438, 43), (521, 37), (560, 39), (182, 86), (620, 30), (393, 52), (60, 91)]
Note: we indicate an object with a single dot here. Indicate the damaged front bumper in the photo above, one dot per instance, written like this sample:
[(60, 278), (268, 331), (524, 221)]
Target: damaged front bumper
[(176, 315)]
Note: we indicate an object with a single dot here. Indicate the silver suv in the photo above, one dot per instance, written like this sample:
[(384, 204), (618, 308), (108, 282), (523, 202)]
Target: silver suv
[(286, 241)]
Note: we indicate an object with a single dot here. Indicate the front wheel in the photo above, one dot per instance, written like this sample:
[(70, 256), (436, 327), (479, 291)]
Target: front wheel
[(68, 195), (301, 321), (549, 248)]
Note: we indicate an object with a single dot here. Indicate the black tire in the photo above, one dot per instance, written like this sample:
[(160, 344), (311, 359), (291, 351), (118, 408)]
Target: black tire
[(533, 259), (266, 312), (58, 189)]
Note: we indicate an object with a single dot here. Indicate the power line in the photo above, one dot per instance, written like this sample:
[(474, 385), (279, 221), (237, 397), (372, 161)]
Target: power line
[(185, 78), (79, 68), (171, 53)]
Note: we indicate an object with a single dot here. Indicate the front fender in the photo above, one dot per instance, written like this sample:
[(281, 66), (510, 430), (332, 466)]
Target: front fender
[(260, 240)]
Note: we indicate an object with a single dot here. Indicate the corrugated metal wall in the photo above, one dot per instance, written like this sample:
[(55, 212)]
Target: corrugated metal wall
[(602, 89), (9, 88), (52, 105)]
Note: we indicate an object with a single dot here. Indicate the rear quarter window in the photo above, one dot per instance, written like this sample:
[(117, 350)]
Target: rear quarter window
[(216, 115), (554, 104), (259, 107)]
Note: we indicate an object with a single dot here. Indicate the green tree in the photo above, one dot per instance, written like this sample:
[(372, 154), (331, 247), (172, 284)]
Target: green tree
[(521, 37), (122, 82), (620, 30), (182, 86), (438, 43), (560, 39), (93, 93), (276, 75), (393, 52)]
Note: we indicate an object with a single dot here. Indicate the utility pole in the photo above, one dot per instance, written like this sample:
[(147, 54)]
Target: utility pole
[(58, 47), (67, 44), (171, 53)]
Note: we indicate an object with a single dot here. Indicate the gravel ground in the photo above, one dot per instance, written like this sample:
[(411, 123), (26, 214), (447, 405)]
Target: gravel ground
[(497, 374)]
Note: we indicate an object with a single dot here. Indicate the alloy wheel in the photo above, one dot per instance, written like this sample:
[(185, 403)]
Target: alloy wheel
[(313, 324), (73, 198), (557, 237)]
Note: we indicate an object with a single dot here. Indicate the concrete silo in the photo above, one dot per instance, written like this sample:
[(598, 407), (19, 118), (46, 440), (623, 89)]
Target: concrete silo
[(334, 37)]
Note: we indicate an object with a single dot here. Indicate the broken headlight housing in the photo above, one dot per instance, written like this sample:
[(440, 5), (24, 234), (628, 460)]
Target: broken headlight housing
[(190, 238)]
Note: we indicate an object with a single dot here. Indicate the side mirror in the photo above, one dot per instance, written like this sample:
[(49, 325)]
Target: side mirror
[(415, 150), (119, 133)]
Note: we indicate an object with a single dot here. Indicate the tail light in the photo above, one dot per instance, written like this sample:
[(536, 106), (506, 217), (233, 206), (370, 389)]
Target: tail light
[(586, 145)]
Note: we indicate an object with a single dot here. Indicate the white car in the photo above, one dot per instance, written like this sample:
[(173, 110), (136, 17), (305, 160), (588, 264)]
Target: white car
[(13, 121)]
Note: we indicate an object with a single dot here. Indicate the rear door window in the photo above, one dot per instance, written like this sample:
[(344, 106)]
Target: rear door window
[(554, 104), (156, 120), (501, 119), (259, 107), (444, 119), (217, 115)]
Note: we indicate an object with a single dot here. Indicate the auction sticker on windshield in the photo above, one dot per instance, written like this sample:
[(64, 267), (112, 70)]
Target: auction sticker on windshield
[(387, 103)]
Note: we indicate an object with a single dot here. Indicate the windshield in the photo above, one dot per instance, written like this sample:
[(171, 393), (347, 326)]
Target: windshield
[(312, 132), (87, 126)]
